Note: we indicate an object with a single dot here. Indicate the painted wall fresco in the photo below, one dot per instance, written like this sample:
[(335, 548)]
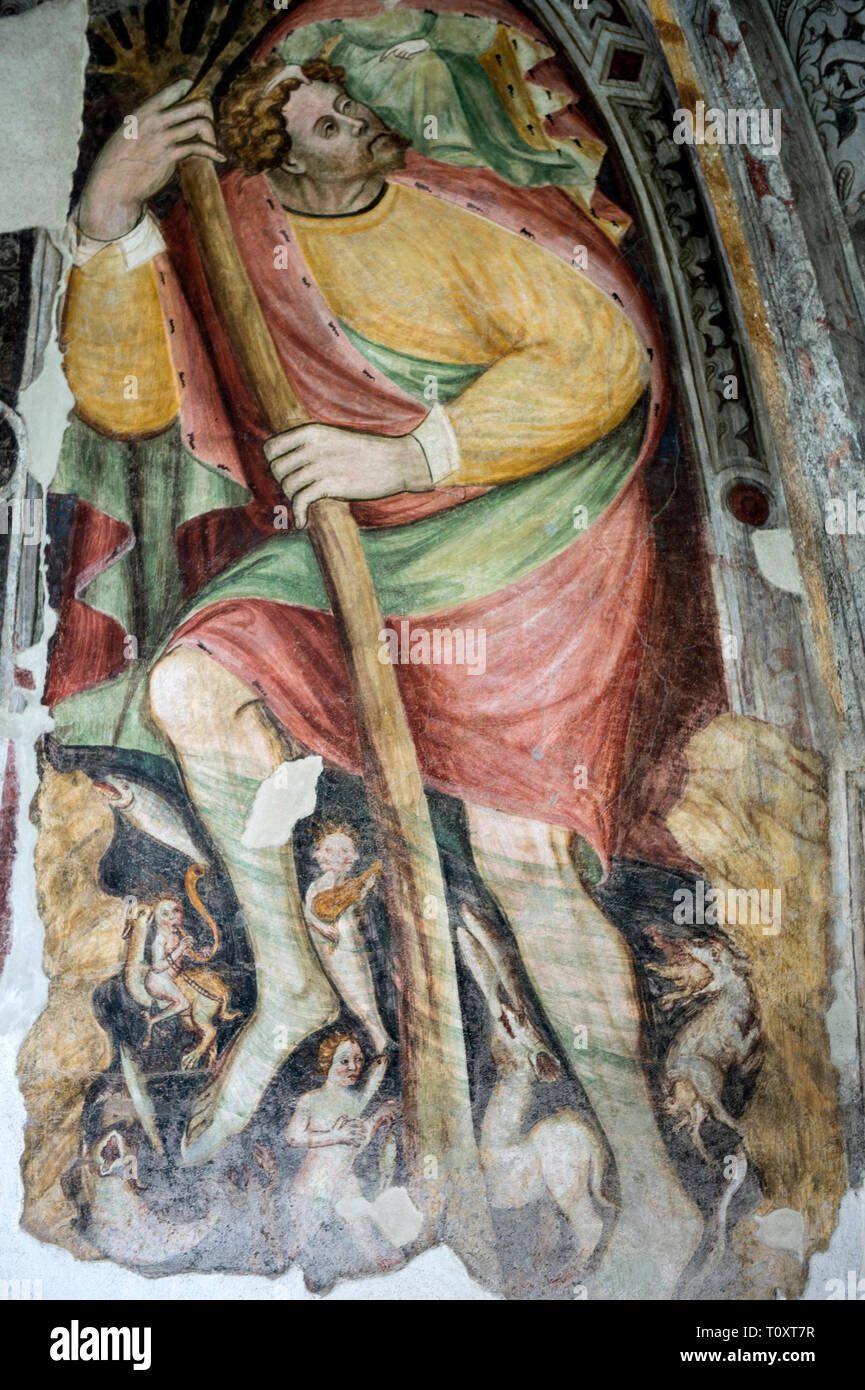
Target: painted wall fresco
[(427, 854)]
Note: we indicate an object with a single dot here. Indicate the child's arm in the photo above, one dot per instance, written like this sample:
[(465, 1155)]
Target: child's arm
[(176, 954), (301, 1135), (314, 922)]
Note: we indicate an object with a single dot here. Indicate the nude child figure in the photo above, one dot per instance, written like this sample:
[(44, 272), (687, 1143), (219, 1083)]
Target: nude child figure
[(170, 945), (329, 1122), (338, 940)]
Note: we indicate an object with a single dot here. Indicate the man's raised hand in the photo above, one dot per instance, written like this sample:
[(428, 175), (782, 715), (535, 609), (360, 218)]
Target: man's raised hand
[(315, 461), (141, 157)]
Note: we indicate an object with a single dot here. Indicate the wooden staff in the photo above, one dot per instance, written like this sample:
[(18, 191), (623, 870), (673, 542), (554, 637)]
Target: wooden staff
[(441, 1154)]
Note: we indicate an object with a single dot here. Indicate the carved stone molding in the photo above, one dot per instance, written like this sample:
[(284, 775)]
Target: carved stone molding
[(762, 626)]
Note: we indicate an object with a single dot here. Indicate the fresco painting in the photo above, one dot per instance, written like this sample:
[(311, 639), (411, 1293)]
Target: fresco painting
[(443, 710)]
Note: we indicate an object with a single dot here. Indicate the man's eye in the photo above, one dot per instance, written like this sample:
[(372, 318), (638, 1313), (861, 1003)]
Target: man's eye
[(329, 131)]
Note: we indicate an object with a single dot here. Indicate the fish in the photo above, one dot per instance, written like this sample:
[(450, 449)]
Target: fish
[(149, 812)]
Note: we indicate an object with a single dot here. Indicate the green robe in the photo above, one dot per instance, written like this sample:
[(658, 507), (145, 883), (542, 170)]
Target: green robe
[(446, 82), (425, 567)]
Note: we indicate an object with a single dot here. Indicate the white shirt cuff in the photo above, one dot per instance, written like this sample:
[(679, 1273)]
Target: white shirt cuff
[(136, 247), (436, 437)]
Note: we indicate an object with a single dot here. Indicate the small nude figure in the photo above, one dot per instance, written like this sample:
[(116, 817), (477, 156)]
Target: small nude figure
[(162, 966), (332, 906), (330, 1123), (167, 951)]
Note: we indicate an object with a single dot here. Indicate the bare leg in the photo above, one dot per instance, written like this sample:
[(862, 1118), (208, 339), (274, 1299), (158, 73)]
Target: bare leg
[(168, 992), (307, 1218), (583, 975), (350, 972), (586, 1223), (373, 1245), (226, 747), (171, 1011)]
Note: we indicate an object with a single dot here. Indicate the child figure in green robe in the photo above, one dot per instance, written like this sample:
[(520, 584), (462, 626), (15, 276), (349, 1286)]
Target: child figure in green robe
[(422, 72)]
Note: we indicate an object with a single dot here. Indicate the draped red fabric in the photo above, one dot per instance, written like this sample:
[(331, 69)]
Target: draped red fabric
[(221, 425), (88, 645), (541, 732), (9, 799)]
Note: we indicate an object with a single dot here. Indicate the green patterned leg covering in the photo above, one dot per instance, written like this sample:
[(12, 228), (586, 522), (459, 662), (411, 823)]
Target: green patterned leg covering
[(581, 971), (294, 997)]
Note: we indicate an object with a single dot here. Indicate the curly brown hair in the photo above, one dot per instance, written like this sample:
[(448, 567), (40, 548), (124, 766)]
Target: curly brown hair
[(251, 129), (327, 1049)]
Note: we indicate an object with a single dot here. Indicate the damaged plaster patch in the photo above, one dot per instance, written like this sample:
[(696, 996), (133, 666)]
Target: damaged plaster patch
[(776, 559), (845, 1252), (393, 1212), (783, 1229), (283, 798), (41, 90), (842, 1022)]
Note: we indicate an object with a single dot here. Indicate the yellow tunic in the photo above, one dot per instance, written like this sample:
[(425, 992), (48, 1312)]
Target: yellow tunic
[(563, 365)]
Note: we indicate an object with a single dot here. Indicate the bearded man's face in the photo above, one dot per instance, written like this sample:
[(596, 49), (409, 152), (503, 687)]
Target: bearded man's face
[(335, 139)]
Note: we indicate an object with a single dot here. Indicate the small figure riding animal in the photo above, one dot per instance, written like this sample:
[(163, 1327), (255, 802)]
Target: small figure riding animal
[(162, 973)]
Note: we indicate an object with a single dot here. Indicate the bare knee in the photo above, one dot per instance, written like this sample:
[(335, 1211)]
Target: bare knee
[(201, 706), (180, 689)]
